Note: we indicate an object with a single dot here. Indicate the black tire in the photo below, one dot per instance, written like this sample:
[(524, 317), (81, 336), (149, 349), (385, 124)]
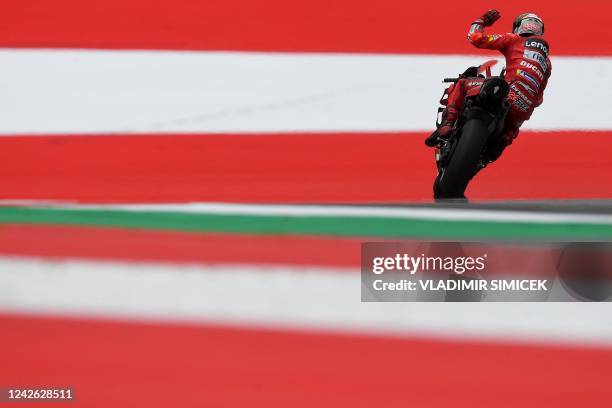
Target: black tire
[(462, 166)]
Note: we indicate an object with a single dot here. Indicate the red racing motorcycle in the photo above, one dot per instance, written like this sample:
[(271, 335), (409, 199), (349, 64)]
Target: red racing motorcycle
[(460, 156)]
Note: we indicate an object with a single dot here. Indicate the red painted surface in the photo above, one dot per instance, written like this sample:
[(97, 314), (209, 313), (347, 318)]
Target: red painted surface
[(550, 165), (385, 26), (103, 243), (292, 168), (169, 246), (114, 364)]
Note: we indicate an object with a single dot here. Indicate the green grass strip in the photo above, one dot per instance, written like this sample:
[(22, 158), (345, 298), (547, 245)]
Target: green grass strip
[(305, 225)]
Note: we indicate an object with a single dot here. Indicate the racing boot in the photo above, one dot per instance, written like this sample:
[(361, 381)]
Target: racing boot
[(442, 133)]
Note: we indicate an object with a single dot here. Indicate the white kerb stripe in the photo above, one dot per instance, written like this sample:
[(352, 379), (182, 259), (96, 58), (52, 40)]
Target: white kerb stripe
[(280, 297), (79, 91)]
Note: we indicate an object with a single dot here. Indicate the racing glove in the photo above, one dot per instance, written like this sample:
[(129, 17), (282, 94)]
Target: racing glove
[(488, 18)]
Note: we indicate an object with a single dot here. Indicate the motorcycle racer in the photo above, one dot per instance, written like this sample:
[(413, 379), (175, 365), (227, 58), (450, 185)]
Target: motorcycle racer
[(528, 69)]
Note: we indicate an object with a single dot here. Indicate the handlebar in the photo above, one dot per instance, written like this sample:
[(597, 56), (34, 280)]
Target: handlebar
[(447, 80)]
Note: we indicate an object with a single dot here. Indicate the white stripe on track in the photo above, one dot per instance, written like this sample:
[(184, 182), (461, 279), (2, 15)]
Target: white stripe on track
[(78, 91), (279, 297)]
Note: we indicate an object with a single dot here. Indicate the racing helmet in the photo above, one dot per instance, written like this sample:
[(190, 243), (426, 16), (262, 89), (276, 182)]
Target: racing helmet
[(528, 24)]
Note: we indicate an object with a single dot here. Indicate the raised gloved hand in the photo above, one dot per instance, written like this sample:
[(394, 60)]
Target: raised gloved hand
[(488, 18)]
